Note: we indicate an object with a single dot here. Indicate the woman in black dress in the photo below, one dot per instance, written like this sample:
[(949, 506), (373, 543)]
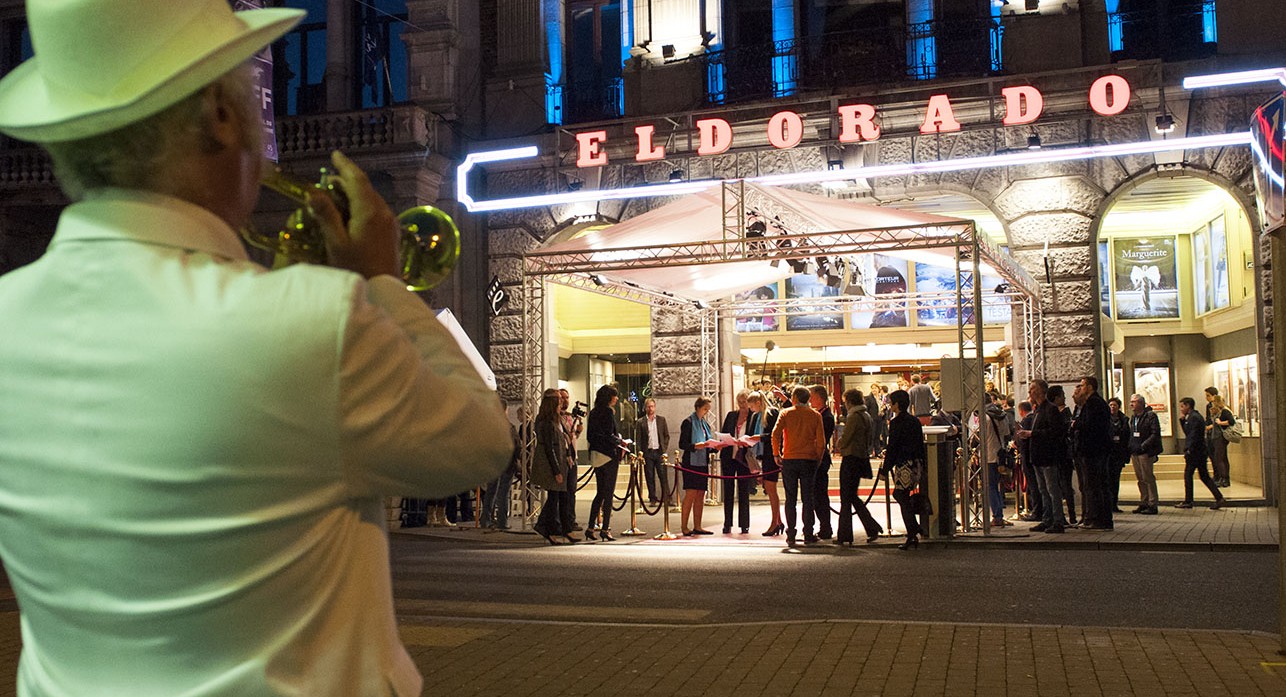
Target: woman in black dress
[(600, 431), (905, 449), (765, 418), (694, 436)]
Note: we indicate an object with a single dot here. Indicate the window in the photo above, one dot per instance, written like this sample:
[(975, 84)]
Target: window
[(1165, 29), (304, 54), (381, 53), (593, 84)]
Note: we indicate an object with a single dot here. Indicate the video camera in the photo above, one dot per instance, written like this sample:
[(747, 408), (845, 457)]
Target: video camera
[(578, 411)]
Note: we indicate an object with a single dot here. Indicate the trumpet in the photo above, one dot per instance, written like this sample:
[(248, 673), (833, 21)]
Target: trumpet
[(430, 244)]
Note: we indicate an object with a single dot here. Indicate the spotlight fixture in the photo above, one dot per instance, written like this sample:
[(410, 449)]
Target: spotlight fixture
[(1033, 141), (574, 184), (1032, 5), (676, 176), (701, 304), (1003, 288), (834, 164), (667, 51), (1165, 122), (598, 279)]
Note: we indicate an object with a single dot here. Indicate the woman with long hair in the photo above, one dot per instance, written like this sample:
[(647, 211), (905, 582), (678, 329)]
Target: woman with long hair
[(694, 437), (600, 431), (733, 462), (764, 419), (1218, 417), (550, 470), (905, 455)]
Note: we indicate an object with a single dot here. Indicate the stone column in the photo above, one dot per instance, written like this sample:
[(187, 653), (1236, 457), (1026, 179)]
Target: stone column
[(341, 50), (516, 93)]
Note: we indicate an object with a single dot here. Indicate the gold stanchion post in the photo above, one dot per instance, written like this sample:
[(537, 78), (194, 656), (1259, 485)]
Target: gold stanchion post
[(634, 530), (666, 534)]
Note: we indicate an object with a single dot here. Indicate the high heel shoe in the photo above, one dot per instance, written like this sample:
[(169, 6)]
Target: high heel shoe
[(774, 531), (911, 543), (589, 534), (545, 534), (606, 535), (870, 539)]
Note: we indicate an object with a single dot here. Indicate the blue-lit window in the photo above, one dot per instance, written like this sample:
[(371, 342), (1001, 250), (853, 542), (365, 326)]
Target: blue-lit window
[(1164, 29), (785, 70), (381, 53), (586, 80), (921, 44), (304, 50)]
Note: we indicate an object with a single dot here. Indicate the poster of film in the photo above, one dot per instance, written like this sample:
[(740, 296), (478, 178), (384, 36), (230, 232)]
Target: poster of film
[(1146, 282)]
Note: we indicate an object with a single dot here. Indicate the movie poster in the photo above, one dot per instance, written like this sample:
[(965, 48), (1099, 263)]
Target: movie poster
[(758, 319), (807, 285), (1202, 271), (1146, 283), (1153, 383), (1105, 279), (939, 312), (881, 275), (1219, 262)]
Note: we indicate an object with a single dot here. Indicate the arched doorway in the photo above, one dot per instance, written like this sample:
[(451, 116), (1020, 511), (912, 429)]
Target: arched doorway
[(1177, 284)]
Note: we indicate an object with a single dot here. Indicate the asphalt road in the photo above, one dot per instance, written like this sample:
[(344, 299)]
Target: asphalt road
[(649, 582)]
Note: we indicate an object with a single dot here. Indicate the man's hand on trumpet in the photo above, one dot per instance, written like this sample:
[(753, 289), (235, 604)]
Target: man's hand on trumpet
[(369, 245)]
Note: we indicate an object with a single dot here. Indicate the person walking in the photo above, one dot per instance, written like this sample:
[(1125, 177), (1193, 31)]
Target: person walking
[(1046, 447), (1194, 454), (653, 435), (819, 400), (732, 463), (695, 442), (1145, 446), (798, 443), (1218, 417), (225, 434), (855, 464), (996, 439), (605, 440), (765, 421), (904, 458), (550, 470)]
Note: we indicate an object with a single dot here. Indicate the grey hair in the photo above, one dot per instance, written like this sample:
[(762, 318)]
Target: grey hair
[(135, 156)]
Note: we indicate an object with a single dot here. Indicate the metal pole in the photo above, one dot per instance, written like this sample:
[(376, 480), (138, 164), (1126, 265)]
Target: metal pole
[(665, 533), (633, 493)]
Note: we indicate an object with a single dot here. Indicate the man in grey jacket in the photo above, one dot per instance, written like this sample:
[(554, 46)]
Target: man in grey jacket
[(1145, 446)]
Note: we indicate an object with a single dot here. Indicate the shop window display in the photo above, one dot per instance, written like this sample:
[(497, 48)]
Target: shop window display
[(1237, 379), (1153, 383)]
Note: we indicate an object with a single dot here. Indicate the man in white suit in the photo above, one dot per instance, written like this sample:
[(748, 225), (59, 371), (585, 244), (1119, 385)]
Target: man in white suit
[(194, 449)]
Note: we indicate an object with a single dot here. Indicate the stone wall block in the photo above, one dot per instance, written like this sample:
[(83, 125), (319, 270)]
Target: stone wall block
[(511, 241), (675, 320), (1069, 330), (776, 161), (509, 386), (1234, 163), (1125, 128), (1068, 364), (521, 182), (506, 357), (1067, 296), (676, 349), (807, 159), (507, 269), (1106, 172), (1068, 262), (895, 151), (989, 183), (1056, 228), (1078, 168), (611, 209), (506, 329), (969, 144), (676, 380), (1076, 194)]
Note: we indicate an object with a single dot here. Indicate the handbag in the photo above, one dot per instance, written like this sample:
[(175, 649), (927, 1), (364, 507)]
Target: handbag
[(906, 475), (597, 459), (1232, 432), (921, 504)]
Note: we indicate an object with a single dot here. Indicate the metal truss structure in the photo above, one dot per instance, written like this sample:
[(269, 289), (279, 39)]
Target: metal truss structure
[(973, 253)]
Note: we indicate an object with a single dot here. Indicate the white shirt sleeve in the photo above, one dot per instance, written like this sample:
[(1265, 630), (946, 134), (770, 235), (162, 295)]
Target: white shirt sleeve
[(416, 419)]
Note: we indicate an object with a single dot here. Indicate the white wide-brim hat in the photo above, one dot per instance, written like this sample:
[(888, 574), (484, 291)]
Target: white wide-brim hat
[(103, 64)]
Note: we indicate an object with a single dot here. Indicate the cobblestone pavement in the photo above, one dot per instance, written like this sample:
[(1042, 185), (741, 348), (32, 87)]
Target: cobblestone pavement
[(838, 658)]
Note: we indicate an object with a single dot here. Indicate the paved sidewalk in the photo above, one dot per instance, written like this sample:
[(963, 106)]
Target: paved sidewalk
[(837, 658), (1229, 528)]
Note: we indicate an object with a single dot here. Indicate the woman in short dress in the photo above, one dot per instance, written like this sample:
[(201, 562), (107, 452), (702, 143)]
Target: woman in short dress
[(765, 418), (694, 436)]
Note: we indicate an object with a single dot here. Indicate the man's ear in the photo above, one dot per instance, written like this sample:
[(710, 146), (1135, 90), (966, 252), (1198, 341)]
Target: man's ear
[(223, 118)]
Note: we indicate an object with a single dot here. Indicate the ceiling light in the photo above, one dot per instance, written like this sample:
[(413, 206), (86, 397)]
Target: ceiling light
[(1033, 141), (1165, 123)]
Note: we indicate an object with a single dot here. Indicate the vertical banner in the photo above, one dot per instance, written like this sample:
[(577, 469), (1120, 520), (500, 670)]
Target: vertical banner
[(1146, 282), (262, 70)]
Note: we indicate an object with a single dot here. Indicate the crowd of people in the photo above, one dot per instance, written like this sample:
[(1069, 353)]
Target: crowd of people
[(1049, 451)]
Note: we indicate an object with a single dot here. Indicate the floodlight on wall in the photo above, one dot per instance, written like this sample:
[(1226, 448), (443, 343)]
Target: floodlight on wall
[(1033, 141), (834, 164), (676, 176), (598, 279), (700, 304), (1165, 123), (667, 51), (1032, 5), (574, 184)]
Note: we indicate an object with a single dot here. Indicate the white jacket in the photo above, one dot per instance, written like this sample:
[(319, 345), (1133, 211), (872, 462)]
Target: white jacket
[(193, 452)]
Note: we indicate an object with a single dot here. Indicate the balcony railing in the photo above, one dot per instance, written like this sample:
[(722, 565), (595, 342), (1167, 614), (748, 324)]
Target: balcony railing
[(1171, 33), (25, 166), (354, 131), (588, 100)]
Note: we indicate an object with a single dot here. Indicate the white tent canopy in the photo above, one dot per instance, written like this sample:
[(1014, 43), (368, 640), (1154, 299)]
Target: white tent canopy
[(700, 218)]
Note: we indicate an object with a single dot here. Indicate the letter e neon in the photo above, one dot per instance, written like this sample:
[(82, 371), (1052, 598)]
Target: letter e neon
[(591, 155)]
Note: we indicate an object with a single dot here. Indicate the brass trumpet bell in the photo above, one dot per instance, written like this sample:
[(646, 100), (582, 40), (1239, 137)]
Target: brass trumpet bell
[(430, 244)]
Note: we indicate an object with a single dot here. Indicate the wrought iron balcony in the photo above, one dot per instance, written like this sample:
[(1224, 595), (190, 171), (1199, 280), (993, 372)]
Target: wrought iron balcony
[(1172, 31), (391, 128)]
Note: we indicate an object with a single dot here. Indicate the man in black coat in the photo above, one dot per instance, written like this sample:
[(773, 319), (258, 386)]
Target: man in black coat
[(1046, 447), (1092, 434), (1035, 509), (652, 436), (1145, 446), (819, 399)]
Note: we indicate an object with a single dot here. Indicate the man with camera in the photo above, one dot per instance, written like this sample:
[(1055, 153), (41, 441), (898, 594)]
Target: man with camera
[(194, 449)]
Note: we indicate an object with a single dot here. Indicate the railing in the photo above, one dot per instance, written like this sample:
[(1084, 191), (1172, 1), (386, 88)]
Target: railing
[(25, 166), (1172, 33), (589, 100), (354, 131)]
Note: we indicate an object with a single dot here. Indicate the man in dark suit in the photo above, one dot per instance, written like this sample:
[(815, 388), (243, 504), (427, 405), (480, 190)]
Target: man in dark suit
[(1092, 436), (652, 436), (1046, 447)]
